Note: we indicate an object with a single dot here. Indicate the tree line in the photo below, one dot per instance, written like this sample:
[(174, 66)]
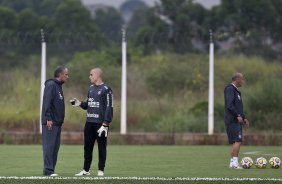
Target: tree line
[(182, 26)]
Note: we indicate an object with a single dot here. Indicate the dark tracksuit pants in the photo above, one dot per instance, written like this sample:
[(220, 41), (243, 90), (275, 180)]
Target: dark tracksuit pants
[(51, 140), (90, 136)]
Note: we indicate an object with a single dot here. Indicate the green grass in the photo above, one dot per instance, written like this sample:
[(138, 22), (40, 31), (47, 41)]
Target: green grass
[(139, 161)]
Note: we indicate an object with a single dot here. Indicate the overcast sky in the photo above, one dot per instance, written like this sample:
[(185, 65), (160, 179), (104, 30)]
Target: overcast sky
[(117, 3)]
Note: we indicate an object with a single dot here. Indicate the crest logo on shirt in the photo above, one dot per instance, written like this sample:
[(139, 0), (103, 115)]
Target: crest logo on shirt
[(99, 92), (61, 96), (239, 97)]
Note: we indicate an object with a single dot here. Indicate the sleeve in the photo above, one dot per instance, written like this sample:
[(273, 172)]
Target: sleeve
[(109, 106), (48, 97), (84, 104), (230, 98)]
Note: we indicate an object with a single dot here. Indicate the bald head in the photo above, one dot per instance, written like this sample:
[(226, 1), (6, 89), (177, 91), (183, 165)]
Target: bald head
[(98, 71), (238, 79), (96, 76)]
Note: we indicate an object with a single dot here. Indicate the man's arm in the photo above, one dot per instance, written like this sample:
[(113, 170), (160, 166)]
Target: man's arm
[(84, 105), (108, 113), (48, 96), (76, 103), (109, 107), (229, 99)]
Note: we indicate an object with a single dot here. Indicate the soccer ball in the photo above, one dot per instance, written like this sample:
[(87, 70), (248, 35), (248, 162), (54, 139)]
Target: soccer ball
[(274, 162), (261, 163), (247, 162)]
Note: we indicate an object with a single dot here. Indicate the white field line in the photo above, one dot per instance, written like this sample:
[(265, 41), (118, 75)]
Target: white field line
[(137, 178), (258, 153), (252, 153)]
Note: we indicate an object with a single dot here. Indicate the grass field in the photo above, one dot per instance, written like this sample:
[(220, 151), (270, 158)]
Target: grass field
[(169, 163)]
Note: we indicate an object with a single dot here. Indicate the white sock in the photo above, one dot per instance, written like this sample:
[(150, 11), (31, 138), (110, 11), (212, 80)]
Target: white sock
[(235, 161), (231, 160)]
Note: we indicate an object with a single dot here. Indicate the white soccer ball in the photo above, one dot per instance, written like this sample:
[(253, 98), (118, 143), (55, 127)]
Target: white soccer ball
[(261, 163), (247, 162), (274, 162)]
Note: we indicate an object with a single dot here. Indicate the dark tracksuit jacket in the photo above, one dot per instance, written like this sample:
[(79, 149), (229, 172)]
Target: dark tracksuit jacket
[(53, 109), (99, 104), (233, 104)]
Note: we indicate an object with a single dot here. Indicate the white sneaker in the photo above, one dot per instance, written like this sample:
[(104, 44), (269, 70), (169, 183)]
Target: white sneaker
[(100, 173), (83, 173), (52, 175)]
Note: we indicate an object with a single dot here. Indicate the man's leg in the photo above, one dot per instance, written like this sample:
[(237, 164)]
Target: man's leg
[(89, 140), (57, 144), (235, 152), (229, 135), (236, 131), (102, 147), (48, 145), (236, 149)]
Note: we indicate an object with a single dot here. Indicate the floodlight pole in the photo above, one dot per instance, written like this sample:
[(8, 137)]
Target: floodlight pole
[(211, 87), (43, 74), (123, 125)]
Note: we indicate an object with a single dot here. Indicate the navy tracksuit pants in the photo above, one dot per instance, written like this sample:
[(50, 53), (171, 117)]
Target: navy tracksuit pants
[(51, 140)]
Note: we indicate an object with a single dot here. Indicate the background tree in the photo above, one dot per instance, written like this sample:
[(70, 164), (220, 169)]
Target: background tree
[(74, 28), (109, 21), (178, 26), (246, 22)]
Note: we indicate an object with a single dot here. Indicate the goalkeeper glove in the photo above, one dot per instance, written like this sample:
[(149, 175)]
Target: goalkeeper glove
[(75, 102), (102, 129)]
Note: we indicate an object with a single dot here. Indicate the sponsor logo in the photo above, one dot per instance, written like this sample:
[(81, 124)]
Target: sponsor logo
[(94, 104), (92, 115)]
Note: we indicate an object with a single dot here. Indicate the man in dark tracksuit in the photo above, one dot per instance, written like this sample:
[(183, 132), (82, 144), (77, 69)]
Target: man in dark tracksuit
[(234, 117), (99, 106), (53, 113)]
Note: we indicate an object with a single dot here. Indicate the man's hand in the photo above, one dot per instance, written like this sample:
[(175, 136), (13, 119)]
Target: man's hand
[(247, 123), (240, 120), (49, 125), (103, 128), (75, 102)]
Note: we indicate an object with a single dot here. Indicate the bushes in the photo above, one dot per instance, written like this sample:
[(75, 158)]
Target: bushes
[(264, 104), (166, 93), (20, 99), (177, 74)]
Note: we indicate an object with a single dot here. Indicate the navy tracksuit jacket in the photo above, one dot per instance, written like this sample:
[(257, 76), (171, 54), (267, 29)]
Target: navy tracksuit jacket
[(233, 104)]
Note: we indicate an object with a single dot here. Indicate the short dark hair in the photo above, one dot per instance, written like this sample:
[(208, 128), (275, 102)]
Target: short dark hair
[(59, 70), (236, 76)]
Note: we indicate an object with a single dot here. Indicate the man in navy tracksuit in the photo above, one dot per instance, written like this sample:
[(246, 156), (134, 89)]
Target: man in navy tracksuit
[(99, 106), (53, 113), (234, 117)]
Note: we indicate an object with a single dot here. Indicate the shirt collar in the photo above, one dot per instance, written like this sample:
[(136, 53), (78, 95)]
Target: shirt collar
[(235, 86)]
